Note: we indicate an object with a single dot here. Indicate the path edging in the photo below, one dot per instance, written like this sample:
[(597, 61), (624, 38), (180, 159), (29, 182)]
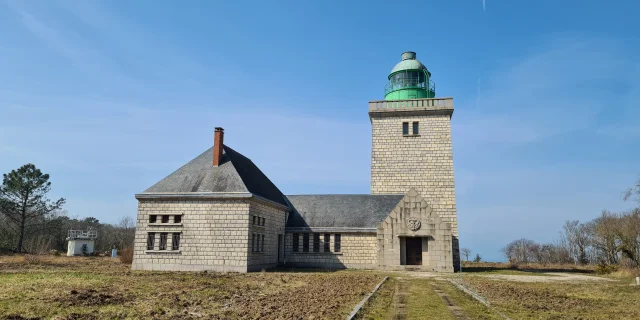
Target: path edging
[(359, 306)]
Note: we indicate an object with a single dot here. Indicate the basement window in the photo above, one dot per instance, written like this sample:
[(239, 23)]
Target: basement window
[(405, 128), (151, 240), (336, 242), (305, 242), (327, 242), (296, 242)]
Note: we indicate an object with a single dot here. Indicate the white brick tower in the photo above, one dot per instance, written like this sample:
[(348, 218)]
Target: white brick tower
[(411, 142)]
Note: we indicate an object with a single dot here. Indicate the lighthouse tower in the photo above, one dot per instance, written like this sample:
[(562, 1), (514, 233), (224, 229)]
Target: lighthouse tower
[(411, 142)]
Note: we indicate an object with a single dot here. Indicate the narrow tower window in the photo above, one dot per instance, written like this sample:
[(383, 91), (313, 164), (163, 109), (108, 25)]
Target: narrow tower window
[(405, 128), (415, 127)]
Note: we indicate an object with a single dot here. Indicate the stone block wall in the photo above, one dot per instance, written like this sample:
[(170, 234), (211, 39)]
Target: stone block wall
[(274, 221), (424, 162), (214, 235), (357, 250), (413, 217)]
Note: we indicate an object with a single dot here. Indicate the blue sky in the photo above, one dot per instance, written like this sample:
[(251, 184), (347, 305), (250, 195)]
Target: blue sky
[(109, 97)]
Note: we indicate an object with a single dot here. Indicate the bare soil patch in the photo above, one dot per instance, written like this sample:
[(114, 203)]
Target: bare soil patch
[(104, 288), (552, 277)]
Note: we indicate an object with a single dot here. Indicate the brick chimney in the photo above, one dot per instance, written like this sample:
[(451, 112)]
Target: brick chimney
[(218, 138)]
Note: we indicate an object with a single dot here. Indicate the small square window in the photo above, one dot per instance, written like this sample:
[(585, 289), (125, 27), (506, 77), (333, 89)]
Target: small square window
[(416, 126), (177, 218), (163, 241), (405, 128), (165, 219), (153, 218)]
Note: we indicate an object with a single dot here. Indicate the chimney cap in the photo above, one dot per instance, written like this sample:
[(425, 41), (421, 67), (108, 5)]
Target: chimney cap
[(219, 129)]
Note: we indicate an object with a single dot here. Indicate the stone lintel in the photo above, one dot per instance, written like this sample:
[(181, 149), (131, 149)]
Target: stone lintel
[(331, 230)]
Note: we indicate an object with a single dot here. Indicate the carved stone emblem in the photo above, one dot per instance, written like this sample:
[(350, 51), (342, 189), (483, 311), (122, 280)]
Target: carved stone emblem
[(414, 224)]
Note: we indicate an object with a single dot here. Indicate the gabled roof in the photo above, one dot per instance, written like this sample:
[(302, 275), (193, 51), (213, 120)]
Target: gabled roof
[(236, 173), (340, 210)]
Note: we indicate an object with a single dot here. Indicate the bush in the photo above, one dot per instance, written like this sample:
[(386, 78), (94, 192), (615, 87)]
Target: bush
[(32, 259), (604, 268), (126, 255)]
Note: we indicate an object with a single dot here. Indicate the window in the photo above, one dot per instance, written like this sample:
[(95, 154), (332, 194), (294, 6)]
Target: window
[(327, 246), (163, 241), (253, 242), (153, 218), (177, 218), (175, 241), (254, 220), (262, 221), (262, 244), (405, 128), (151, 240), (296, 242), (316, 242), (416, 126), (165, 219), (336, 243), (305, 242)]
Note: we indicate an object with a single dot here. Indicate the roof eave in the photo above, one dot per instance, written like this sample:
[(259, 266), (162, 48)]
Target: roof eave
[(208, 196)]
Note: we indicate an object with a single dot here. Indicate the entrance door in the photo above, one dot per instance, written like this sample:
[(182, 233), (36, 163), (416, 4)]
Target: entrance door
[(414, 251)]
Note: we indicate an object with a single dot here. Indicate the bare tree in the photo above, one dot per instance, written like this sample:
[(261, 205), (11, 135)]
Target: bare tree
[(577, 236), (126, 232), (633, 192), (466, 252)]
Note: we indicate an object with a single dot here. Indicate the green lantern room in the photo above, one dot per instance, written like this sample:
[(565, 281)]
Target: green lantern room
[(409, 79)]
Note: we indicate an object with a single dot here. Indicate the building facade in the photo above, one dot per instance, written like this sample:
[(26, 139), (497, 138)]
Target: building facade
[(220, 212)]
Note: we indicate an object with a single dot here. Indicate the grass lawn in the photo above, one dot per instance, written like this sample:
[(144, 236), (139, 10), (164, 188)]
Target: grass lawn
[(104, 288), (418, 298)]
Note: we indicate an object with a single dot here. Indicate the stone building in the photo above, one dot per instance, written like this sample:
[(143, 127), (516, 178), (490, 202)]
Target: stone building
[(220, 212)]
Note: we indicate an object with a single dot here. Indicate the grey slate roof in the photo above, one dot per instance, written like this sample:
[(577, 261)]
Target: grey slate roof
[(340, 210), (236, 173)]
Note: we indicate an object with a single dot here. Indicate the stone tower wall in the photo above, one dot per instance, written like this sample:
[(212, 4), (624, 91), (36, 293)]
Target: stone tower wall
[(424, 161)]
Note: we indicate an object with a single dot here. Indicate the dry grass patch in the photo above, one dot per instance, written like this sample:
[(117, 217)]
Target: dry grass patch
[(551, 300), (104, 288)]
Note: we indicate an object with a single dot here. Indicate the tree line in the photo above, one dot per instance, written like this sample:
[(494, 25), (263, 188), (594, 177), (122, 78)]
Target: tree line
[(31, 222), (613, 238)]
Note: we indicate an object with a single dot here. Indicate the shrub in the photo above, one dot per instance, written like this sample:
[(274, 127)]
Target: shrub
[(32, 259), (126, 255), (604, 268)]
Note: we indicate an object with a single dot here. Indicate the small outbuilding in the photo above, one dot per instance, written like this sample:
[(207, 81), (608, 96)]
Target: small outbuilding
[(81, 242)]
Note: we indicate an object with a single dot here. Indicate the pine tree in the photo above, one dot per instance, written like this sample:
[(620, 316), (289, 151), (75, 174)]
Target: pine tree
[(23, 201)]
